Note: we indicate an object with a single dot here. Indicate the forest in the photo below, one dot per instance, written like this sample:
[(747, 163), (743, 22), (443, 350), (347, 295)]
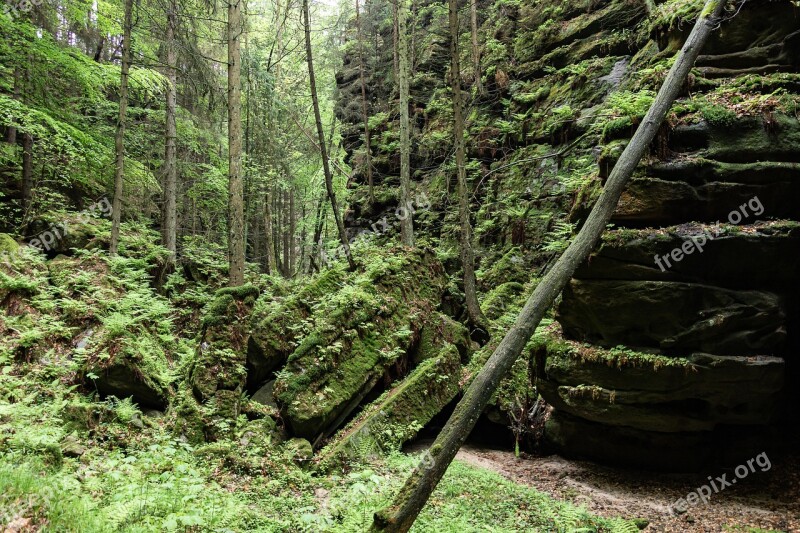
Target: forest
[(399, 265)]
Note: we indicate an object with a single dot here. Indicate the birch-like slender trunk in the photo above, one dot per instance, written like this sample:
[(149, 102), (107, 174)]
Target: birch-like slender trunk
[(476, 51), (476, 317), (322, 148)]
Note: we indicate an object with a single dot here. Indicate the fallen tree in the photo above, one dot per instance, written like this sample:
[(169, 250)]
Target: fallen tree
[(423, 480)]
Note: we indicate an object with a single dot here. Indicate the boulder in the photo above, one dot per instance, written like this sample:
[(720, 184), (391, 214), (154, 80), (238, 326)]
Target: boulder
[(125, 381), (362, 335), (401, 412), (274, 325), (673, 316), (217, 376), (264, 395)]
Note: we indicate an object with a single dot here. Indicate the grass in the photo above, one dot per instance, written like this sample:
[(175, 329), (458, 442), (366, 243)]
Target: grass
[(136, 476), (70, 461)]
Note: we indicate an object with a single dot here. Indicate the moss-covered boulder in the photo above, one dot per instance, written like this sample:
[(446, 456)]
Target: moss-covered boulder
[(401, 411), (299, 450), (359, 335), (127, 381), (276, 324), (217, 375), (8, 245)]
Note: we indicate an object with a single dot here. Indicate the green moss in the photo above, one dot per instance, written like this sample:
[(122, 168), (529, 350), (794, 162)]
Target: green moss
[(399, 413), (8, 245), (565, 353), (241, 293), (499, 299), (356, 333), (718, 115)]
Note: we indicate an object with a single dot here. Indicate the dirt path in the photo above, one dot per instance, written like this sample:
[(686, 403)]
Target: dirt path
[(768, 500)]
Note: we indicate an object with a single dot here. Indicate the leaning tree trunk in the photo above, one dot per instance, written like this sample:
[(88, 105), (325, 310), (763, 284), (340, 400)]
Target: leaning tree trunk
[(235, 185), (322, 148), (423, 480), (476, 317), (119, 148), (171, 136), (406, 221)]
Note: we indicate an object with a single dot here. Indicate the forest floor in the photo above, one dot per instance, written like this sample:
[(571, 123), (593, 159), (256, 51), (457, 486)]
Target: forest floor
[(762, 501)]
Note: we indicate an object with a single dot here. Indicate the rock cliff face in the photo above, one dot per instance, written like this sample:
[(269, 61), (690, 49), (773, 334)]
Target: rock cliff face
[(675, 341), (678, 335)]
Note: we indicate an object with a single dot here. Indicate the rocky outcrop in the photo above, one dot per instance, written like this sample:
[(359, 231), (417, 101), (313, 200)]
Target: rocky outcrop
[(673, 316), (361, 336), (401, 412), (210, 399), (679, 333)]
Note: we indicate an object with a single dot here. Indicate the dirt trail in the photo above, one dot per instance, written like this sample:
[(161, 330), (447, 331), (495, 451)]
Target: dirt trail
[(768, 500)]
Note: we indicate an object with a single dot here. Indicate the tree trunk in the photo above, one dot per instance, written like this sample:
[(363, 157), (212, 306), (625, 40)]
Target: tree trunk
[(98, 51), (292, 232), (247, 183), (235, 186), (322, 148), (287, 265), (423, 480), (11, 132), (270, 245), (318, 223), (406, 220), (27, 174), (476, 51), (395, 41), (170, 162), (276, 231), (364, 110), (300, 268), (119, 166), (476, 317)]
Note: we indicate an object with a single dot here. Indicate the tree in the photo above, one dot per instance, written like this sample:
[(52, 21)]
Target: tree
[(326, 168), (119, 146), (420, 484), (171, 135), (406, 222), (476, 317), (235, 185), (364, 109), (476, 51)]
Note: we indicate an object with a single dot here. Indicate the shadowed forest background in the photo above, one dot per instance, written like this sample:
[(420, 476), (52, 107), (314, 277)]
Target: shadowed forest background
[(252, 256)]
